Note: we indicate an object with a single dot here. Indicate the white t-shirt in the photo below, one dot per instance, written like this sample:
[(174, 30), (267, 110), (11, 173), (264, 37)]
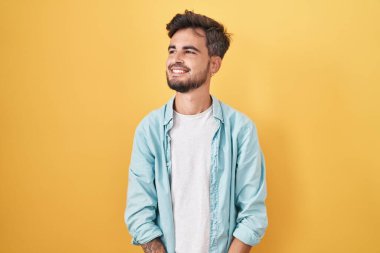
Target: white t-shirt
[(191, 137)]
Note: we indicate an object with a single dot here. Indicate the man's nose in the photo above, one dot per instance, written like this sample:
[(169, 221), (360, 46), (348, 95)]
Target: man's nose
[(178, 57)]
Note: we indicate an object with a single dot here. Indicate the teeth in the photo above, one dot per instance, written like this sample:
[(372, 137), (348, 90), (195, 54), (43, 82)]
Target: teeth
[(178, 71)]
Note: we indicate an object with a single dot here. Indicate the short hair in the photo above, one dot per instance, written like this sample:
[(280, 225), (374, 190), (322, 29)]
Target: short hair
[(217, 38)]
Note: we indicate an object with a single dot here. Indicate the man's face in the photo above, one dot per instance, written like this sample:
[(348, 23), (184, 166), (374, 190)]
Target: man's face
[(188, 63)]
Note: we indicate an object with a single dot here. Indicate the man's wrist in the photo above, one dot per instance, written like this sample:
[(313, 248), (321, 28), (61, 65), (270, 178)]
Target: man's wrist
[(154, 246), (238, 246)]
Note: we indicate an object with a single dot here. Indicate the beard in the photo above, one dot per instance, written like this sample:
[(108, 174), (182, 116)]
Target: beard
[(189, 84)]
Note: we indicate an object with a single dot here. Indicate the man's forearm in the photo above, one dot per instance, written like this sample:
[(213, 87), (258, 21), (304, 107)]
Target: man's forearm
[(154, 246), (238, 246)]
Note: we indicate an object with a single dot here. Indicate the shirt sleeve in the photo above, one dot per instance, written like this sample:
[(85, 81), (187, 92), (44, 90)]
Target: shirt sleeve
[(250, 192), (140, 213)]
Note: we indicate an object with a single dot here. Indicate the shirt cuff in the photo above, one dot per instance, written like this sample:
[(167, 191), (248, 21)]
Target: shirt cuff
[(146, 233), (246, 235)]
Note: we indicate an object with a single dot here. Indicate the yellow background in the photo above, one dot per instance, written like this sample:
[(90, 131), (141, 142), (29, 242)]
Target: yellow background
[(77, 76)]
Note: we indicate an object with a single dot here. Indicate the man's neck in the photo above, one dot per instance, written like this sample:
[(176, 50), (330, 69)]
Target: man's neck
[(193, 102)]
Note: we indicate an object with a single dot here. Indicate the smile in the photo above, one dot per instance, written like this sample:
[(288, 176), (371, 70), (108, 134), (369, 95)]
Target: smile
[(178, 70)]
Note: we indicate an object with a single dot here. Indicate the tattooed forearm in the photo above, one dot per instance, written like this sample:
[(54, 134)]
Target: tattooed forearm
[(154, 246)]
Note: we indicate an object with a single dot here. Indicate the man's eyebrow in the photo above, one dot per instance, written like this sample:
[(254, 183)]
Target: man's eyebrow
[(192, 47), (185, 47)]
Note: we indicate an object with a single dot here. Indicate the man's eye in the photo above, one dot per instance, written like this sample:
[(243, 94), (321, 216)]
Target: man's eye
[(189, 52)]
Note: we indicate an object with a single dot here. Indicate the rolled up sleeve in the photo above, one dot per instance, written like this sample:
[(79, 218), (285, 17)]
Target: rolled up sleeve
[(250, 192), (140, 213)]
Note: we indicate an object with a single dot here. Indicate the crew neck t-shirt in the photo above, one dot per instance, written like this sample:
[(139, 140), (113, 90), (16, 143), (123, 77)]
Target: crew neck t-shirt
[(190, 145)]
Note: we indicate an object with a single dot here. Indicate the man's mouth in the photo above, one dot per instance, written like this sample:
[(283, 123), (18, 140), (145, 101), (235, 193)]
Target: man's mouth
[(179, 70)]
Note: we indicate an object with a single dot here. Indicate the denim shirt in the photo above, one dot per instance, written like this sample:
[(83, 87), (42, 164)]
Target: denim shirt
[(237, 181)]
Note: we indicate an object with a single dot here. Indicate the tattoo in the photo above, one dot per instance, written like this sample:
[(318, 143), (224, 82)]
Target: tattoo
[(154, 246)]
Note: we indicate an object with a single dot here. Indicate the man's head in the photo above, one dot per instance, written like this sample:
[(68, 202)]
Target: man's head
[(197, 46)]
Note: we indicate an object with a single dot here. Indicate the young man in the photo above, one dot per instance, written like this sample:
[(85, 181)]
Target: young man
[(197, 173)]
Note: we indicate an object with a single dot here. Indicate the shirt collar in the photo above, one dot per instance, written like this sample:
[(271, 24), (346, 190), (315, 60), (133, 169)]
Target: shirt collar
[(216, 110)]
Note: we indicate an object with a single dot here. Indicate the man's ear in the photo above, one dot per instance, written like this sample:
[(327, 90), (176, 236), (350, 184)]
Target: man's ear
[(215, 63)]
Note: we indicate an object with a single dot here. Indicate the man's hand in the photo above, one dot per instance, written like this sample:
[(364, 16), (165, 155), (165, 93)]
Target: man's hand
[(154, 246), (238, 246)]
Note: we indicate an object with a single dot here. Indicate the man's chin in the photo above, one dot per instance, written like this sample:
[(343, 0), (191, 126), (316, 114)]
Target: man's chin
[(182, 87), (179, 88)]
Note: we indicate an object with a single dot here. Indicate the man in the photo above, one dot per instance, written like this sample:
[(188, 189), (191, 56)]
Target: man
[(197, 173)]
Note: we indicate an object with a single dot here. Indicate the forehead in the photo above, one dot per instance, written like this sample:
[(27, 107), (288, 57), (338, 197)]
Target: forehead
[(189, 36)]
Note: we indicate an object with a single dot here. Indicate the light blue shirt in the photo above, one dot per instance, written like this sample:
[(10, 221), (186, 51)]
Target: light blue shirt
[(237, 181)]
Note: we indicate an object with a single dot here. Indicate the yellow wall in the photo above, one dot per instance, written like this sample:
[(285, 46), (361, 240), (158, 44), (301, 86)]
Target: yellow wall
[(77, 76)]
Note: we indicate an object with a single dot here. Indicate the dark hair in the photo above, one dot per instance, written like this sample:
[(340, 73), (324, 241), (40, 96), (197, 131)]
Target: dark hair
[(217, 38)]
